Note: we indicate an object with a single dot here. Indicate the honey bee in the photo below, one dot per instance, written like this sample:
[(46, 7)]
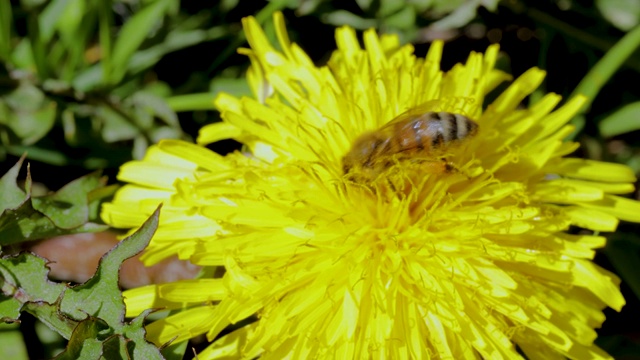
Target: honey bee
[(416, 134)]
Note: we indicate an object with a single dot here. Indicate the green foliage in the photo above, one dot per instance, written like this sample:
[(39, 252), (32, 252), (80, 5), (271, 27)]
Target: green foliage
[(90, 315), (383, 12), (623, 14), (72, 72), (602, 71), (11, 343), (131, 36), (70, 210), (622, 121), (405, 17)]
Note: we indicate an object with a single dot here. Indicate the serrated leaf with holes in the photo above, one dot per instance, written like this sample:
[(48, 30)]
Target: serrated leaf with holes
[(100, 295), (90, 315), (23, 279)]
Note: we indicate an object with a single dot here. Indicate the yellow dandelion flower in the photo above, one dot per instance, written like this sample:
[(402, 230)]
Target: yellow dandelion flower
[(455, 256)]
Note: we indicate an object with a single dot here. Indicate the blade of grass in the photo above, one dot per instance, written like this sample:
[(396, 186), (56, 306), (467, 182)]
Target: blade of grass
[(622, 121), (36, 43), (77, 43), (39, 154), (77, 28), (191, 102), (105, 20), (88, 78), (6, 24), (132, 35), (50, 16), (605, 68)]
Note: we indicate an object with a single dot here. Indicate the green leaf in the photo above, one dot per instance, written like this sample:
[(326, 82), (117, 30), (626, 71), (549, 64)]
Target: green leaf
[(233, 86), (6, 25), (68, 211), (461, 14), (84, 342), (115, 346), (49, 315), (90, 315), (9, 308), (191, 102), (105, 23), (226, 5), (175, 351), (25, 223), (24, 279), (177, 39), (140, 146), (403, 19), (75, 29), (390, 7), (365, 4), (116, 127), (132, 35), (26, 97), (160, 133), (50, 17), (31, 127), (12, 343), (69, 21), (156, 106), (88, 79), (95, 197), (623, 14), (69, 206), (622, 121), (135, 331), (48, 156), (591, 84), (21, 56), (343, 17), (38, 47), (304, 8), (12, 195), (422, 5), (31, 116), (99, 296)]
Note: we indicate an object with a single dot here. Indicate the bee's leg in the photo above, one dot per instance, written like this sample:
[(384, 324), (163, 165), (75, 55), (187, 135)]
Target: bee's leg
[(450, 167), (436, 167), (391, 185)]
